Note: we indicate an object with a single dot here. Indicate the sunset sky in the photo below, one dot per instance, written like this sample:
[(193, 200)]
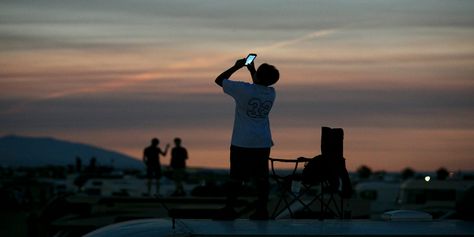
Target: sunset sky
[(397, 75)]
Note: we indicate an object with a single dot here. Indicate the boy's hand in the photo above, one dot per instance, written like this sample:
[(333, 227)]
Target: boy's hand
[(240, 63), (227, 73), (251, 67)]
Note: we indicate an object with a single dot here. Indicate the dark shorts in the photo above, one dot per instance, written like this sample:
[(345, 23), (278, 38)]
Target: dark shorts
[(153, 172), (248, 163)]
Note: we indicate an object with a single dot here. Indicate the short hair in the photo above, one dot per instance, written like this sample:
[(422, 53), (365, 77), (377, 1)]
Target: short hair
[(267, 74), (155, 141)]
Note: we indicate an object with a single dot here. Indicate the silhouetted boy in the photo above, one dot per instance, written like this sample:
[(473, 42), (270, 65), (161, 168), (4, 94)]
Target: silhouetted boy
[(179, 155), (251, 136), (151, 157)]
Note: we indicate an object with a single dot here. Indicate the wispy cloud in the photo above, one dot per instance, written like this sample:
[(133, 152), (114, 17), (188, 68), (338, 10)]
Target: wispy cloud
[(298, 40), (171, 70)]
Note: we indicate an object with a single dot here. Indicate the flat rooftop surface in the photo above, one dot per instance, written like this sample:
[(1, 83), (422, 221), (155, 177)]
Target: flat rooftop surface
[(244, 227)]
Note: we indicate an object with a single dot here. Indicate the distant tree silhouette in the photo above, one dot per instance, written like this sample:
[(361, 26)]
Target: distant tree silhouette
[(364, 172), (442, 173), (407, 173)]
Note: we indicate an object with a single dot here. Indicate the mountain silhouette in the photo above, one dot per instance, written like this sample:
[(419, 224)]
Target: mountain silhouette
[(42, 151)]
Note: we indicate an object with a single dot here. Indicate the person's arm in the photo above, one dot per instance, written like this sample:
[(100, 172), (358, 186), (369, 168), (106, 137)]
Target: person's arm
[(227, 73), (251, 68), (166, 150), (145, 158)]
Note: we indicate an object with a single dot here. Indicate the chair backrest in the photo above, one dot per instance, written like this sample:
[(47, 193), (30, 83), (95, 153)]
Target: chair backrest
[(332, 142), (330, 165)]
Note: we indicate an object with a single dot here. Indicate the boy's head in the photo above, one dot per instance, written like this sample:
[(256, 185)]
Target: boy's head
[(177, 141), (266, 75), (155, 141)]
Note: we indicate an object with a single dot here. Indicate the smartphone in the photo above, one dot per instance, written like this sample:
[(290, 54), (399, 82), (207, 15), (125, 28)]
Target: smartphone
[(250, 59)]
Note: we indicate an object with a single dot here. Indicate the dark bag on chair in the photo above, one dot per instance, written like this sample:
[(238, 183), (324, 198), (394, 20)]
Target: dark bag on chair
[(331, 165), (314, 171), (346, 189), (321, 169)]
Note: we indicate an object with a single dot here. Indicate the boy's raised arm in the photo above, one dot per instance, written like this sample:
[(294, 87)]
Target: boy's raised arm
[(227, 73)]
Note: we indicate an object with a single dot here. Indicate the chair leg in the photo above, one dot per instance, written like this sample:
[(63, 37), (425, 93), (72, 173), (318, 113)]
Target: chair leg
[(274, 214), (286, 205), (331, 205)]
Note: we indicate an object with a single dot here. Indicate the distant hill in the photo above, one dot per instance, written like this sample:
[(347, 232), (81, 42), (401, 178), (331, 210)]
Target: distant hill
[(41, 151)]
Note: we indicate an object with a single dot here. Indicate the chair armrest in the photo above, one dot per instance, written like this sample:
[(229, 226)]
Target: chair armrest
[(304, 159), (283, 160)]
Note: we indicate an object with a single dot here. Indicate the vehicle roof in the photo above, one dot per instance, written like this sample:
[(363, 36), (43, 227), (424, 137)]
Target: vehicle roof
[(289, 227), (438, 184)]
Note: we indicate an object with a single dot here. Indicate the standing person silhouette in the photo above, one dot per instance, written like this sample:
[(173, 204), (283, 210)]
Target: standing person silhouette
[(151, 158), (251, 135), (179, 155)]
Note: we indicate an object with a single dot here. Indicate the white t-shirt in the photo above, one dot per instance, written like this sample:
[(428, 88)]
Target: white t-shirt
[(253, 104)]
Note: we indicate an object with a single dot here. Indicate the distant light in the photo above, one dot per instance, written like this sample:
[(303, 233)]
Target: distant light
[(427, 178)]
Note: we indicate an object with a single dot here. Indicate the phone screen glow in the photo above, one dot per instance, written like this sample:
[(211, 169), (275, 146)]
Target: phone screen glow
[(249, 60)]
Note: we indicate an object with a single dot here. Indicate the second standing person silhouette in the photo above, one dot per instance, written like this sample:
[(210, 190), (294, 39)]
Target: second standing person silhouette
[(151, 158), (179, 155)]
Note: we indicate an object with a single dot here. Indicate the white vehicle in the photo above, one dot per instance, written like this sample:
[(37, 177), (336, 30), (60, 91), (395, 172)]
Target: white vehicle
[(381, 195), (437, 197)]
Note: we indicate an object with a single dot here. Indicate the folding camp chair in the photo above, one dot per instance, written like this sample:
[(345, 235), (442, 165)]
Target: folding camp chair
[(318, 185), (288, 194)]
